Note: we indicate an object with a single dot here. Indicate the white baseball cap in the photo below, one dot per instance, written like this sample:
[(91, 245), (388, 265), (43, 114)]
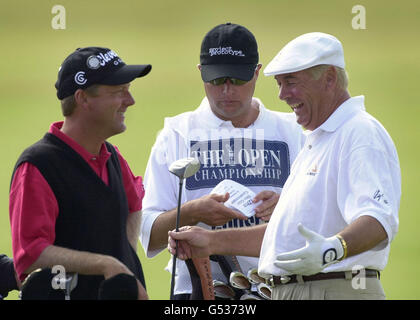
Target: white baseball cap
[(307, 50)]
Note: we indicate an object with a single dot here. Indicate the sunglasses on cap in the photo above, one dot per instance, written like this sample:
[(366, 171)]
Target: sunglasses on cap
[(234, 81)]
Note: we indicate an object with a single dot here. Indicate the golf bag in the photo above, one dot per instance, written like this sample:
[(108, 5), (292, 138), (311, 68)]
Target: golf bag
[(44, 284), (236, 287)]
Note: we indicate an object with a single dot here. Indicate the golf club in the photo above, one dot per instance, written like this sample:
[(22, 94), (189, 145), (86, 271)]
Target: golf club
[(182, 168), (254, 277), (223, 290), (41, 284), (243, 285), (239, 281), (70, 283), (264, 291)]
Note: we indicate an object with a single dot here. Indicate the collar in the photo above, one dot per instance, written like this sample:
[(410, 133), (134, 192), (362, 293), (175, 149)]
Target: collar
[(210, 121), (103, 156), (343, 113)]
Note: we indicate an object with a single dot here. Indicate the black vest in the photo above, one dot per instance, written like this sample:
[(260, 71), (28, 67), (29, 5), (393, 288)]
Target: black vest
[(92, 216)]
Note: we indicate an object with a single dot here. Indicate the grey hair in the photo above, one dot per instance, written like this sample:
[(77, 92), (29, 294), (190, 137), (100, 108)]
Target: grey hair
[(342, 76)]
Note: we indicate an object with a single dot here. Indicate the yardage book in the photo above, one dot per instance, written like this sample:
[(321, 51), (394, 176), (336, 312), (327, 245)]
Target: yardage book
[(240, 197)]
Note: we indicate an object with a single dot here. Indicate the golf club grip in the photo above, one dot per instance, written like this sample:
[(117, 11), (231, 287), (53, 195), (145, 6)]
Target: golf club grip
[(171, 296), (201, 278)]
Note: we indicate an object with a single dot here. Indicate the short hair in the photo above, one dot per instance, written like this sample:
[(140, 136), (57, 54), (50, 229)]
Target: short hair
[(68, 104), (342, 76)]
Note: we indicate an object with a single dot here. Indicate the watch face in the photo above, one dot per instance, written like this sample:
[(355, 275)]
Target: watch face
[(330, 255)]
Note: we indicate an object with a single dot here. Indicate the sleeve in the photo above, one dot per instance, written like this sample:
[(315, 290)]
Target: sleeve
[(33, 210), (369, 183), (160, 187), (133, 185)]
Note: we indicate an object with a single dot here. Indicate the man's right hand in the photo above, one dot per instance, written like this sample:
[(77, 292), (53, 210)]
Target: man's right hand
[(113, 267), (142, 292), (193, 242), (210, 209)]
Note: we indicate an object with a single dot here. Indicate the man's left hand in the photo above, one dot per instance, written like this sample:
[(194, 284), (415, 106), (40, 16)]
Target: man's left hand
[(269, 202), (318, 253)]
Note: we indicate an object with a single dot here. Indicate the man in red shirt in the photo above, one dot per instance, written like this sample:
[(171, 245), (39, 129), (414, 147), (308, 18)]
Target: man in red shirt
[(74, 201)]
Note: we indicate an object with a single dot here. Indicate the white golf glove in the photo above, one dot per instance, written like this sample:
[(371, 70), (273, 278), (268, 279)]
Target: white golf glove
[(318, 253)]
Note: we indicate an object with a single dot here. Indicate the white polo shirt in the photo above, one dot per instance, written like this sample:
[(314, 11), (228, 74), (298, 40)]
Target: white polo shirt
[(348, 168), (258, 157)]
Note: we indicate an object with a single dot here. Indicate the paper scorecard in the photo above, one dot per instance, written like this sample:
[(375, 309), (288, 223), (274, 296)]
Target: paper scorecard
[(240, 197)]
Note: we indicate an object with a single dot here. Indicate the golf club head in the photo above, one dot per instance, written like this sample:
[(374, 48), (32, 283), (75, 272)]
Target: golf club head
[(184, 168), (223, 290), (264, 291), (253, 276), (239, 281)]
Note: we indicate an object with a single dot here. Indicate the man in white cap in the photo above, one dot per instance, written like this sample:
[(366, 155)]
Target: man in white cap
[(330, 233), (234, 137)]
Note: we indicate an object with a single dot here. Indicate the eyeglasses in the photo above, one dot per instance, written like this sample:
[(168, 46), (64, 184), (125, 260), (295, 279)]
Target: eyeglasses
[(234, 81)]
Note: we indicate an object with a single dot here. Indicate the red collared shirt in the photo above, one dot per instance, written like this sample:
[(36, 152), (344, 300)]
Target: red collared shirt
[(33, 207)]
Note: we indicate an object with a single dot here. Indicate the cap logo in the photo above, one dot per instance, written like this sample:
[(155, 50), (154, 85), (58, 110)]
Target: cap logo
[(106, 57), (79, 78), (93, 62), (221, 51)]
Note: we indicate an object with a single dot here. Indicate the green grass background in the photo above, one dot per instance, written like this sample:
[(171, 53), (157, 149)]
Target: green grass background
[(382, 62)]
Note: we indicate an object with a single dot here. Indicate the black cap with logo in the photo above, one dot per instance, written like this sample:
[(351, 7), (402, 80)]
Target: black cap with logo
[(228, 50), (95, 65)]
